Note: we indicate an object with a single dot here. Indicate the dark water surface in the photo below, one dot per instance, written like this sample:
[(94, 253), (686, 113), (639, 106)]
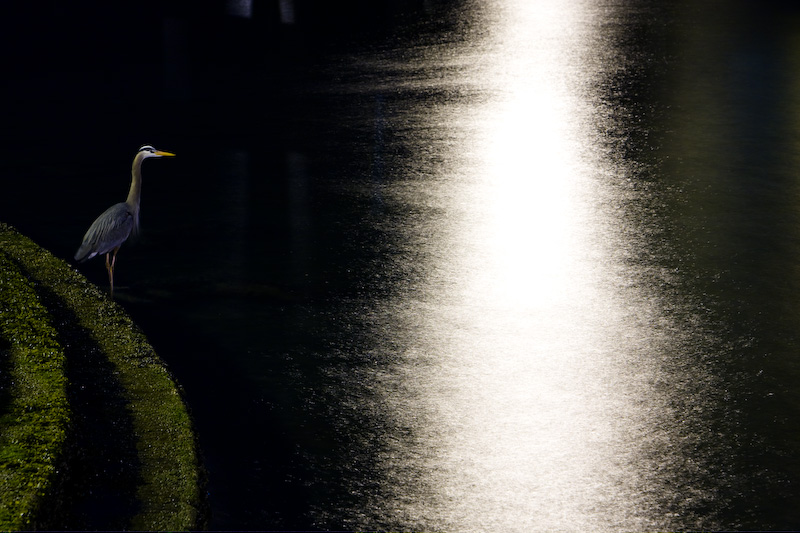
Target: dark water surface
[(451, 265)]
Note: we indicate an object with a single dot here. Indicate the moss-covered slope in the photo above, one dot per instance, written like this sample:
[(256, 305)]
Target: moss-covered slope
[(132, 456), (34, 412)]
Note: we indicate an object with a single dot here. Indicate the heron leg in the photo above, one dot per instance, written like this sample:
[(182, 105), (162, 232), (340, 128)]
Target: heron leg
[(114, 258), (110, 268)]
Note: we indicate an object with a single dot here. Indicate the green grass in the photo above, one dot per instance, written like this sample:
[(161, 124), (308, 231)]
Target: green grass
[(168, 481), (34, 414)]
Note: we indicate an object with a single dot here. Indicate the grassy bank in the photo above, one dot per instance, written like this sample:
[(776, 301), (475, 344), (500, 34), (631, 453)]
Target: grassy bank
[(34, 412), (133, 434)]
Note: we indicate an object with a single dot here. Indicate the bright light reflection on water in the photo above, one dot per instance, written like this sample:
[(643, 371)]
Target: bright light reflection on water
[(529, 366)]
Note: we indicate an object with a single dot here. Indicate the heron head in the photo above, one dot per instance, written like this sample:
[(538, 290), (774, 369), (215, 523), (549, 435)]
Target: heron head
[(149, 151)]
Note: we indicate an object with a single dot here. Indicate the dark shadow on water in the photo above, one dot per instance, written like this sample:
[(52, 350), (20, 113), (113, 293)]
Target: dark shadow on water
[(256, 474), (99, 492)]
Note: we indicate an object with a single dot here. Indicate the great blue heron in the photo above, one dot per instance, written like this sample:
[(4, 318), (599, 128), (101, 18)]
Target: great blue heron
[(114, 226)]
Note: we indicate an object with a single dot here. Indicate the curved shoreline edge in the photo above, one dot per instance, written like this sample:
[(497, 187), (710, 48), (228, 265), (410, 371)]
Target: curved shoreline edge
[(128, 455)]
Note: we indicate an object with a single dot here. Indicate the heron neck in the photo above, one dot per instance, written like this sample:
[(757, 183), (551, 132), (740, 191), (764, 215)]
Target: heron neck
[(135, 191)]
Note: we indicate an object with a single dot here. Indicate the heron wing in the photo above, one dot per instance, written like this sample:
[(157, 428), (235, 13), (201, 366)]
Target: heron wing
[(107, 232)]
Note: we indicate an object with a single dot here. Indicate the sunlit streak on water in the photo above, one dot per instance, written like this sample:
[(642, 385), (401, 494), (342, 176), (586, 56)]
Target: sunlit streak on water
[(526, 192), (525, 360)]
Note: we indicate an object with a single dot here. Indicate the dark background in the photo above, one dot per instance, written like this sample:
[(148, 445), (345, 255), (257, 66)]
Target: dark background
[(84, 84)]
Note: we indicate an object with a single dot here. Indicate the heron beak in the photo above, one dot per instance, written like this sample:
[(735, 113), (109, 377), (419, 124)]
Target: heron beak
[(164, 154)]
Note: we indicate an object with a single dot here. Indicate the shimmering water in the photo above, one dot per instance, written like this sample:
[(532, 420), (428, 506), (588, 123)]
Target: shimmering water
[(495, 266)]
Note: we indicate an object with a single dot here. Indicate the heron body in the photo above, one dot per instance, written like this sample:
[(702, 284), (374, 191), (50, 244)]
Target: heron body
[(108, 232), (118, 222)]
